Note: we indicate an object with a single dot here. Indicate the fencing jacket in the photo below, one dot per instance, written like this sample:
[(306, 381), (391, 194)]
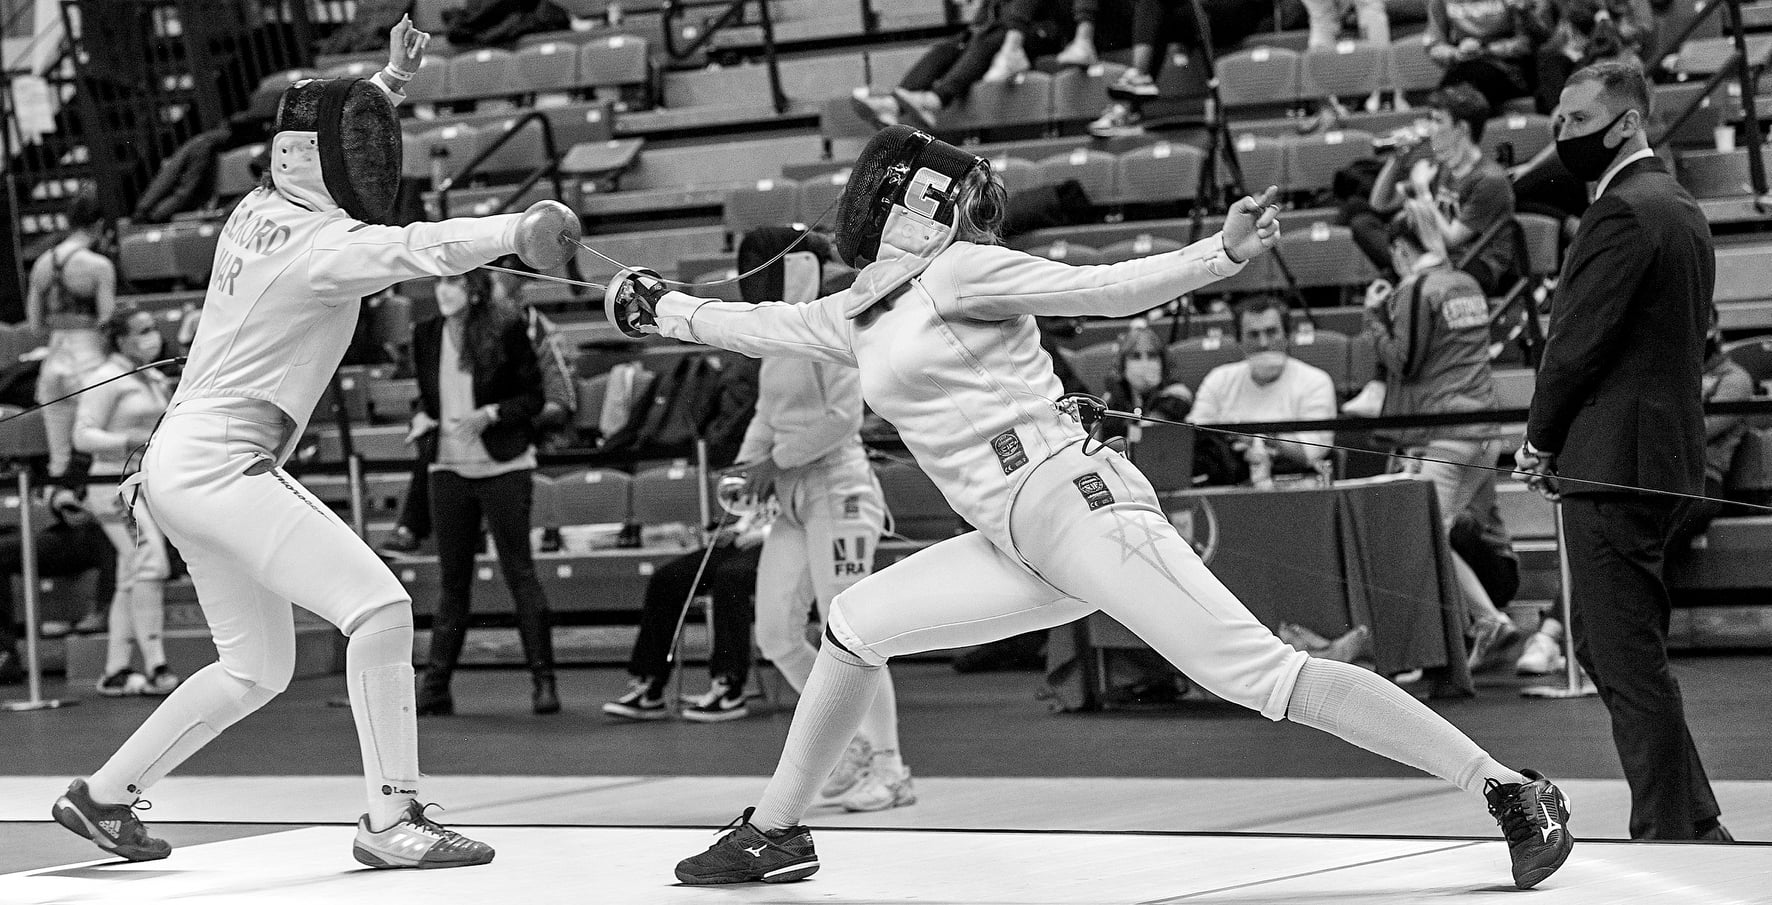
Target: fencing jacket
[(808, 413), (289, 270), (954, 360)]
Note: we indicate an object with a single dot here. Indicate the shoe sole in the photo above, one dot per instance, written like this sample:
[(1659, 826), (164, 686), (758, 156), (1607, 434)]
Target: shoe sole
[(639, 716), (1127, 94), (904, 802), (368, 858), (1538, 875), (66, 814), (789, 874), (716, 716)]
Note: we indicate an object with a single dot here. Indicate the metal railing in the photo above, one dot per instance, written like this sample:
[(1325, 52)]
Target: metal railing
[(1747, 74), (734, 14)]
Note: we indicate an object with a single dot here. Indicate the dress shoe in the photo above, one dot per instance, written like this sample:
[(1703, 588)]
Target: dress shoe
[(546, 698)]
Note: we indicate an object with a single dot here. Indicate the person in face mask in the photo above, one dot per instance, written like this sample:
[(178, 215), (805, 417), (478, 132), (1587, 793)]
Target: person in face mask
[(111, 422), (1142, 384), (1619, 399), (1269, 385)]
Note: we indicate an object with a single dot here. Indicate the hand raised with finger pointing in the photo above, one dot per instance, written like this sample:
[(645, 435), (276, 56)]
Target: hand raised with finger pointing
[(1252, 226)]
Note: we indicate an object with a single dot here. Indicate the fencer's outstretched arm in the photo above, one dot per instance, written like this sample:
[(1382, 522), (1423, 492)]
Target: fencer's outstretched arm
[(353, 259), (1000, 283), (814, 331)]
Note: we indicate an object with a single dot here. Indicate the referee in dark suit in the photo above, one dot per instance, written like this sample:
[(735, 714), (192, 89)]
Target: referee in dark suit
[(1618, 401)]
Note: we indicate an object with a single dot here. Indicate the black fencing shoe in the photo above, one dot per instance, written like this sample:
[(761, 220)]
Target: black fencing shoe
[(1534, 816), (748, 854), (113, 827)]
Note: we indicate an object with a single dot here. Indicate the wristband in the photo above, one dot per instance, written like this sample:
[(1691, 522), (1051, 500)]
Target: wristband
[(399, 73)]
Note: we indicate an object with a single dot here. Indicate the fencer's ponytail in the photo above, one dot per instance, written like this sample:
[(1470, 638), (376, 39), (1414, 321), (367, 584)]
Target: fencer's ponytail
[(984, 203)]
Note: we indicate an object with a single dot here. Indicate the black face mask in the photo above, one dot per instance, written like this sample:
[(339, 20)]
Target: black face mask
[(1587, 156)]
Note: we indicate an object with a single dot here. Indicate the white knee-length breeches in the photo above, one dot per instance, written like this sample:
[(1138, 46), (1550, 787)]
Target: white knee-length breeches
[(1093, 533), (822, 543), (255, 540)]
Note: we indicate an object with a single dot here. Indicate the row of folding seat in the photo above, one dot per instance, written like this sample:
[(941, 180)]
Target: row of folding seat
[(614, 62)]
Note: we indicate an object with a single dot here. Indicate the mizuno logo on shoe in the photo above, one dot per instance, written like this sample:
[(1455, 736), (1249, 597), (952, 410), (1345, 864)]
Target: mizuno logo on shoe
[(1550, 822), (757, 852)]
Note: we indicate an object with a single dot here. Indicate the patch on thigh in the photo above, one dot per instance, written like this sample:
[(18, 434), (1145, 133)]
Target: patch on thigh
[(852, 556), (1094, 490)]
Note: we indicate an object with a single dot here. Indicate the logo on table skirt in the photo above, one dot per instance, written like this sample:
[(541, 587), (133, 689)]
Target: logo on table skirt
[(850, 557), (1094, 490), (1197, 524), (1009, 452)]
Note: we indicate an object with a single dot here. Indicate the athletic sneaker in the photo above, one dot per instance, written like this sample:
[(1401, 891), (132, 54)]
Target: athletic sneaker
[(1007, 65), (722, 702), (882, 111), (417, 841), (1133, 84), (1543, 656), (123, 683), (748, 854), (1078, 53), (921, 109), (882, 788), (113, 827), (642, 701), (1492, 636), (1534, 816), (849, 770), (1118, 121), (161, 681)]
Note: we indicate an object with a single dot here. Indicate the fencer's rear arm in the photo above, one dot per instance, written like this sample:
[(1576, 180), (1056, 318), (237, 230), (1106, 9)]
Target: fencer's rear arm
[(814, 331), (995, 283), (353, 259)]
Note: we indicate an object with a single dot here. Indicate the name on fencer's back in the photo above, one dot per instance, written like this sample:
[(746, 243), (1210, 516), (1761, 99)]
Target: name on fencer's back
[(247, 232)]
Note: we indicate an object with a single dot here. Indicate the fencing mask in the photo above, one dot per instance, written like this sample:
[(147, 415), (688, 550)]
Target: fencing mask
[(794, 278), (345, 133), (899, 209)]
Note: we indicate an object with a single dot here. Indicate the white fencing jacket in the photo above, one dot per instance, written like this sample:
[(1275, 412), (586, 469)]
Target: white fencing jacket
[(954, 361)]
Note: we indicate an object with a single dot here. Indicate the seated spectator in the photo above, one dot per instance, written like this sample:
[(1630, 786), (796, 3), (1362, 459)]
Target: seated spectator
[(1584, 32), (1325, 21), (71, 545), (1452, 190), (488, 23), (730, 578), (1269, 385), (1141, 384), (994, 48), (1156, 23), (1432, 339), (1486, 44), (1724, 381)]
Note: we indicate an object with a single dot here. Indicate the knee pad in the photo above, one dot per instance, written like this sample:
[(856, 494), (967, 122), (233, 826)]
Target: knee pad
[(390, 617), (841, 638)]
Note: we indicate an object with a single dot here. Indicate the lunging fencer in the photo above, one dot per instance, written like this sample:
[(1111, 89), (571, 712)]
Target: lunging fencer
[(940, 324), (294, 259)]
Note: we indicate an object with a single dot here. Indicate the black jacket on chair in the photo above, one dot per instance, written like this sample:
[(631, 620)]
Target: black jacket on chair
[(1618, 391), (514, 386)]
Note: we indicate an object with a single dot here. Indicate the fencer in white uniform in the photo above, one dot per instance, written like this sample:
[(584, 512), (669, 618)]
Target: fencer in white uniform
[(803, 447), (293, 261), (940, 324)]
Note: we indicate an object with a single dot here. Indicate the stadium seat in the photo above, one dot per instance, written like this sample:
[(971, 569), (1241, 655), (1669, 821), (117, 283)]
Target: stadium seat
[(918, 510), (520, 155), (193, 249), (427, 15), (1067, 252), (233, 172), (1543, 236), (483, 75), (283, 78), (1094, 170), (594, 496), (147, 255), (548, 68), (22, 436), (1078, 95), (462, 143), (390, 398), (1141, 246), (667, 496), (818, 197), (1699, 129), (1023, 101), (431, 83), (1411, 69), (1018, 175), (1190, 360), (1326, 255), (767, 202), (1326, 349), (1526, 133), (1705, 56), (1258, 77), (1315, 159), (1715, 174), (614, 66), (1163, 171), (1095, 364), (1349, 69), (1754, 355), (1263, 161)]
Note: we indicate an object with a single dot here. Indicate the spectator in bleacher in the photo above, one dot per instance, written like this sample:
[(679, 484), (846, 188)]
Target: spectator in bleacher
[(71, 545), (996, 46), (1325, 21), (1155, 24), (1724, 381), (1444, 183), (480, 391), (1583, 32), (1432, 338), (1141, 383), (113, 422), (73, 289), (1269, 385), (1486, 44), (730, 578), (485, 23)]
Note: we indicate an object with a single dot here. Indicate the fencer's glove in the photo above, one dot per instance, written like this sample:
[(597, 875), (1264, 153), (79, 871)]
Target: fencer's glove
[(1539, 470), (631, 301), (1252, 226)]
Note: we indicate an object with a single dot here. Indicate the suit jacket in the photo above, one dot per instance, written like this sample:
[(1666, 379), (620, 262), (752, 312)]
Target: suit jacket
[(1618, 392), (514, 385)]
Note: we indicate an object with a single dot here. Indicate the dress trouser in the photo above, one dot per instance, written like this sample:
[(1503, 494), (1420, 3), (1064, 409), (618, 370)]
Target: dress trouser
[(730, 578), (1619, 615), (457, 506)]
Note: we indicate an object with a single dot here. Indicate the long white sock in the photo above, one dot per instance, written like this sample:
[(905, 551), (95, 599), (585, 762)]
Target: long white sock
[(830, 709), (147, 608), (207, 703), (378, 668), (119, 631), (1372, 712), (879, 724)]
